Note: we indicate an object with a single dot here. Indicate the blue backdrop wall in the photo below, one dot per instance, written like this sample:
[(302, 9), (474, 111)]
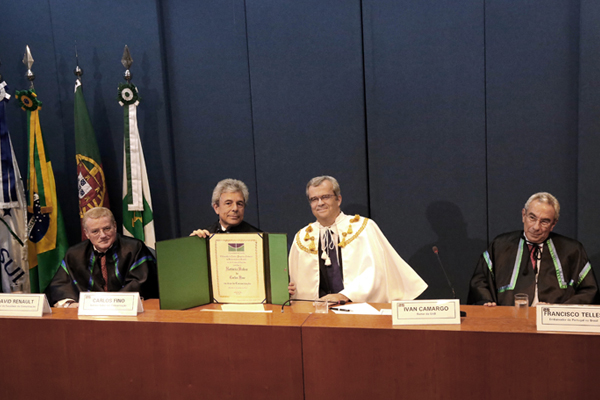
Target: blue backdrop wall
[(438, 117)]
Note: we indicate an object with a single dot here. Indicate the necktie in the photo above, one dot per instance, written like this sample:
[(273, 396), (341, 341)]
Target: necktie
[(104, 271), (334, 272), (534, 255)]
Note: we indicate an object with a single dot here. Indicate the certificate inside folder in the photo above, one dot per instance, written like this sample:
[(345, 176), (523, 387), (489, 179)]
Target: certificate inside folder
[(225, 268), (237, 268)]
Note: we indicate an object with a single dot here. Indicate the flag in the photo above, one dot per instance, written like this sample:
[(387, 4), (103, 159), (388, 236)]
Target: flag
[(138, 219), (14, 268), (47, 236), (91, 182)]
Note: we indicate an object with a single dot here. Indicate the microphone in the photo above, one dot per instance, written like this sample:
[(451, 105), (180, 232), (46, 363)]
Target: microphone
[(436, 251), (341, 302)]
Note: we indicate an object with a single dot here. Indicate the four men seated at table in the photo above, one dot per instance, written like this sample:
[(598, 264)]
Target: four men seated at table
[(106, 262), (229, 200), (548, 267), (346, 258)]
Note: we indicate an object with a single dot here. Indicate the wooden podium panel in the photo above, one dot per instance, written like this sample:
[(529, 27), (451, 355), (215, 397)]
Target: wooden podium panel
[(158, 355), (195, 354), (491, 355)]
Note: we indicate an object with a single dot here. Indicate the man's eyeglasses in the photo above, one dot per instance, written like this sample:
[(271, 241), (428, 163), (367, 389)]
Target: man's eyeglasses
[(107, 231), (323, 198), (544, 223)]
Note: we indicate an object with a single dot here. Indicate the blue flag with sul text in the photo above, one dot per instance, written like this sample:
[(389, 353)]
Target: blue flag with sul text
[(14, 268)]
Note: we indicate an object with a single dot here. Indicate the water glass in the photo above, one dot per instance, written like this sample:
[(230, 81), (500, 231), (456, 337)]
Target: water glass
[(521, 305), (321, 306), (16, 287)]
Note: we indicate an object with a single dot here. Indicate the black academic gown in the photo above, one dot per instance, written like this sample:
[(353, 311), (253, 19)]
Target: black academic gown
[(130, 267), (242, 227), (565, 273)]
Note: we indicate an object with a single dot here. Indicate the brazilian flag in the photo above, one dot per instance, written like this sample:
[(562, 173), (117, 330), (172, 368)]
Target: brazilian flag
[(47, 237)]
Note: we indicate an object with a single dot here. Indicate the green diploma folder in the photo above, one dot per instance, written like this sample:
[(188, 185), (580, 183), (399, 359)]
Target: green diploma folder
[(187, 279)]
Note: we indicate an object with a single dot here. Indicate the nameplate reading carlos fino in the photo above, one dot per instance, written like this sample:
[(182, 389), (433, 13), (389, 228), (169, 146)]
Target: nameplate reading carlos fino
[(425, 312), (110, 303)]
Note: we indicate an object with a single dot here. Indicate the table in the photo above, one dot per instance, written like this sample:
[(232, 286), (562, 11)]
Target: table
[(491, 355), (160, 354), (193, 354)]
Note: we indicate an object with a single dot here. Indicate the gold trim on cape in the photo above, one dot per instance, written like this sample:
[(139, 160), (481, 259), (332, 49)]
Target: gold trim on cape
[(345, 241)]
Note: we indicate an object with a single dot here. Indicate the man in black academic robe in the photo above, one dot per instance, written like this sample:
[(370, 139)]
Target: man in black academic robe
[(128, 264), (565, 274), (548, 267), (229, 202)]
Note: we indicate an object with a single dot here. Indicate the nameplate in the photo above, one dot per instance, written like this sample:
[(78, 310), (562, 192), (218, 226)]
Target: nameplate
[(568, 318), (426, 312), (24, 305), (127, 304)]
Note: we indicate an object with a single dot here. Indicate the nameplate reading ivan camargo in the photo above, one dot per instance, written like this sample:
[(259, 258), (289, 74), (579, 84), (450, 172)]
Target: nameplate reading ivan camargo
[(426, 312)]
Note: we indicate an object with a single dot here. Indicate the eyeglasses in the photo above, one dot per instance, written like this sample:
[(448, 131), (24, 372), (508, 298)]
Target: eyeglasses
[(544, 223), (107, 231), (323, 198)]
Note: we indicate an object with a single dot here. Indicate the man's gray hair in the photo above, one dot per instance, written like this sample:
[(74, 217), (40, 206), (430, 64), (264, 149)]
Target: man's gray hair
[(97, 212), (230, 186), (545, 197), (316, 181)]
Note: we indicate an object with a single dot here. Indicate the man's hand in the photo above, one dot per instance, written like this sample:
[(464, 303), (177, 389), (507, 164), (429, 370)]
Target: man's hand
[(335, 298), (292, 288), (491, 304), (200, 233), (67, 303)]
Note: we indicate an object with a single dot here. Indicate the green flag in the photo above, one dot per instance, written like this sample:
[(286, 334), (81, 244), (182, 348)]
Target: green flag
[(47, 236), (138, 220)]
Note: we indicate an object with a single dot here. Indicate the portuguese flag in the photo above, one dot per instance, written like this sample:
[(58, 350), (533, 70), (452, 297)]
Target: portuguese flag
[(91, 183)]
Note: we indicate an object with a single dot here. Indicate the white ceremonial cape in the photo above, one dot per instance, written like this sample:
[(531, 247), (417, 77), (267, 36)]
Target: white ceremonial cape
[(373, 271)]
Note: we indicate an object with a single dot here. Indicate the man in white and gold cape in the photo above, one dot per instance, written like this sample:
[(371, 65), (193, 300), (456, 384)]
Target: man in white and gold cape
[(369, 269)]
